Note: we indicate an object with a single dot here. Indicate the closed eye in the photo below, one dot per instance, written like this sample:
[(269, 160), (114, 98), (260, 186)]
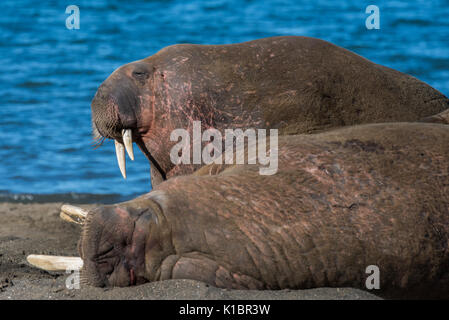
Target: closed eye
[(106, 254), (105, 267), (140, 75)]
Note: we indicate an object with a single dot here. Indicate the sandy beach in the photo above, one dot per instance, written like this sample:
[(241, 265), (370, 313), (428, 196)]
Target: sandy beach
[(37, 229)]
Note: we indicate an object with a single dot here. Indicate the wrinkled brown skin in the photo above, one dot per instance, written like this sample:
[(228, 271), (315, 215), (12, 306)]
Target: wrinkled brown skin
[(296, 84), (375, 194)]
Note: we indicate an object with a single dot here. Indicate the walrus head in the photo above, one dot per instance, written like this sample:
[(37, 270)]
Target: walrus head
[(120, 245), (112, 246), (123, 110)]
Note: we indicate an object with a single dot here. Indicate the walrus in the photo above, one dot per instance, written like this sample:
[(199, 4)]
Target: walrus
[(294, 84), (342, 200)]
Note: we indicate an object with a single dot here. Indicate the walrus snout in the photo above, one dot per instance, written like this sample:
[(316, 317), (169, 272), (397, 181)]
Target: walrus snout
[(112, 245), (114, 106), (116, 109)]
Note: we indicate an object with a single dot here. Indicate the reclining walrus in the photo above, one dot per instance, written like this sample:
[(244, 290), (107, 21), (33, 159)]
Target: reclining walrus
[(340, 201)]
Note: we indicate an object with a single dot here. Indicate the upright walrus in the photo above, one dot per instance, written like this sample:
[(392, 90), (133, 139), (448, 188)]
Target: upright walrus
[(295, 84), (341, 201)]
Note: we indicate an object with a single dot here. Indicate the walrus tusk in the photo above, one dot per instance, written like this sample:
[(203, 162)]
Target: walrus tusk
[(73, 214), (120, 152), (128, 141), (55, 263), (442, 117)]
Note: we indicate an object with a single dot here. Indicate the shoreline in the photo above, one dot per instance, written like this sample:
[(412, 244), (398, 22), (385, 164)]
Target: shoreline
[(70, 197)]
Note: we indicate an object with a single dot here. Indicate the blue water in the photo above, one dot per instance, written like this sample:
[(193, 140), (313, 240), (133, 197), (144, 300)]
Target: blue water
[(49, 74)]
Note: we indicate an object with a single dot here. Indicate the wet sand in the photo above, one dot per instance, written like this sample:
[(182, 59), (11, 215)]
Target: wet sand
[(37, 229)]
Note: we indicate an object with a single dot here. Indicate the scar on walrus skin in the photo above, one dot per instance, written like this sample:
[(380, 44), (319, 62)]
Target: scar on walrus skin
[(341, 200)]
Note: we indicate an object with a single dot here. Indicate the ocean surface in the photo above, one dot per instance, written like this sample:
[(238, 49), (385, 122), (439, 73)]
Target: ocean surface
[(49, 74)]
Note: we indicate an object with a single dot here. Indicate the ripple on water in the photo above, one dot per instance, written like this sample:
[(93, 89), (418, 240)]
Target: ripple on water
[(50, 74)]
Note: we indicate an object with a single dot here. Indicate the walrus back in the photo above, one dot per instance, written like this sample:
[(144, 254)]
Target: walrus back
[(341, 200), (297, 84)]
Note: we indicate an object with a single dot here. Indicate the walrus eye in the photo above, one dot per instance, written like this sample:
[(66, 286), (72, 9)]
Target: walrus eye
[(140, 75)]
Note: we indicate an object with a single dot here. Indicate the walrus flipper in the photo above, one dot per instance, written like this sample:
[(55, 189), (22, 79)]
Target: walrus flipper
[(200, 267)]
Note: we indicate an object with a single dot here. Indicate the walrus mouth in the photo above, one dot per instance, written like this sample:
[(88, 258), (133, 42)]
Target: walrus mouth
[(127, 145), (152, 161)]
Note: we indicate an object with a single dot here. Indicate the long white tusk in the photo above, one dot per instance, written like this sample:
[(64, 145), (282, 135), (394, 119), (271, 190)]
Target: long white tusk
[(55, 263), (73, 214), (120, 152), (128, 141)]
